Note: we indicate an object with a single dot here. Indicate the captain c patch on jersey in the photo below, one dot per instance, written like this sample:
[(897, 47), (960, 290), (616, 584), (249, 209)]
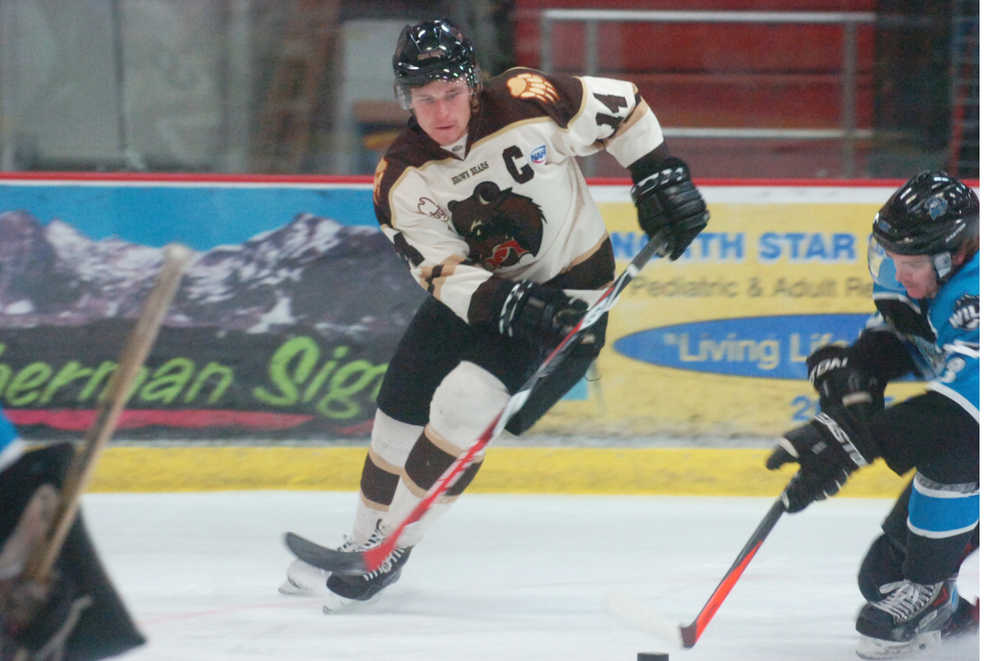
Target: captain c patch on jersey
[(500, 226), (965, 314)]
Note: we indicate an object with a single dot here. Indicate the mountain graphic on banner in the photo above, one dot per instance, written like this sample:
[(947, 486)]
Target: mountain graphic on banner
[(312, 272)]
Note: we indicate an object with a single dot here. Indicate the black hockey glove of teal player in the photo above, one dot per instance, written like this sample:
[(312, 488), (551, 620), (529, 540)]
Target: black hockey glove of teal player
[(536, 313), (667, 199), (828, 449), (841, 381)]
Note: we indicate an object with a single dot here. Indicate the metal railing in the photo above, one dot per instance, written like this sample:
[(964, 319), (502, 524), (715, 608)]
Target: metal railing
[(848, 132)]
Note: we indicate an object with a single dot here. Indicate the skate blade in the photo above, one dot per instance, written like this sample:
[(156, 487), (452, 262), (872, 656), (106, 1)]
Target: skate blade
[(303, 580), (337, 605), (875, 648), (295, 590)]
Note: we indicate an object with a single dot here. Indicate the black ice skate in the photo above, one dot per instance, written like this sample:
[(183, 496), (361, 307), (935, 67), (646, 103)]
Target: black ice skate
[(911, 618), (302, 579), (349, 591)]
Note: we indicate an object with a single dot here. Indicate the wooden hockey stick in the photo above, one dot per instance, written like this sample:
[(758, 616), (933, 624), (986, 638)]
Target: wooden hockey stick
[(692, 632), (130, 361)]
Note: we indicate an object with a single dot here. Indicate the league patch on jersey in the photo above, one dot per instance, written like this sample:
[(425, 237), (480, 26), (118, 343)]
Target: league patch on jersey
[(532, 86), (429, 207), (965, 314), (538, 154), (500, 226)]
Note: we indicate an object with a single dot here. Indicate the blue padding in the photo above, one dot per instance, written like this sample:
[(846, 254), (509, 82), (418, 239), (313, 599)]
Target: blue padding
[(7, 432), (942, 515)]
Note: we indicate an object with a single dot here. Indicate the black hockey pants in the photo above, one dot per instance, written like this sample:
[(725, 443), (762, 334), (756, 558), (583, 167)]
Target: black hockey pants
[(437, 340), (931, 434)]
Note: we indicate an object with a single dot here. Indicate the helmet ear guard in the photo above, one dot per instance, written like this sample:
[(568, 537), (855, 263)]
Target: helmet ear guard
[(942, 263), (429, 51)]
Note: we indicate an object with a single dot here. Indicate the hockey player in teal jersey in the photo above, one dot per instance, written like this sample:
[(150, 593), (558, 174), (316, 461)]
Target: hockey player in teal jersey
[(924, 260)]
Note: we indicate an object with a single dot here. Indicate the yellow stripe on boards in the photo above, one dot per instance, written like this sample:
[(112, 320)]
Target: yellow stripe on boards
[(665, 471)]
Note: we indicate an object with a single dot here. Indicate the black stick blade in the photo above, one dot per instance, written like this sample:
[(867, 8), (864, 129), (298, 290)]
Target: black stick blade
[(317, 555), (689, 635)]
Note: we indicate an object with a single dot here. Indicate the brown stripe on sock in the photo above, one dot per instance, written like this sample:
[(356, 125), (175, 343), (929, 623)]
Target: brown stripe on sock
[(426, 463), (442, 443), (377, 484), (464, 479), (372, 505)]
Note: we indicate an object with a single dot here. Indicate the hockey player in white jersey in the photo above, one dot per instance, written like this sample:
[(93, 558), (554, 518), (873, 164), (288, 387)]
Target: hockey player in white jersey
[(924, 260), (481, 195)]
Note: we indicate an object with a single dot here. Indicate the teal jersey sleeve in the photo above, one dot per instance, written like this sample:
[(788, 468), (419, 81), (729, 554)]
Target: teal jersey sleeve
[(942, 333), (954, 315)]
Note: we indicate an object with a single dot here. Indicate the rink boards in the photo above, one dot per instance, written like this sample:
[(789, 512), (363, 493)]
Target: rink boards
[(295, 301), (540, 470), (711, 346)]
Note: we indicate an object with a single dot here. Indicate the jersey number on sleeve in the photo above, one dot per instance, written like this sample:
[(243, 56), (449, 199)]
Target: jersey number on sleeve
[(613, 103)]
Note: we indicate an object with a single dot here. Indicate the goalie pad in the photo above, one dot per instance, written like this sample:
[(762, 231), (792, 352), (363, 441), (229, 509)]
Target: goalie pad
[(78, 613)]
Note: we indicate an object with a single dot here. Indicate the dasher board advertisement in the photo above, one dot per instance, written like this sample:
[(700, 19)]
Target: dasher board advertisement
[(294, 302)]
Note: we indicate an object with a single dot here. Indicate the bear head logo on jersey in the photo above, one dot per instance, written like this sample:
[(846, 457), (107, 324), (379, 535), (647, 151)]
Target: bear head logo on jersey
[(500, 226)]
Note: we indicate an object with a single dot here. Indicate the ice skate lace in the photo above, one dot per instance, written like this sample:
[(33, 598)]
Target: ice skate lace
[(908, 599), (386, 565), (350, 545), (373, 540)]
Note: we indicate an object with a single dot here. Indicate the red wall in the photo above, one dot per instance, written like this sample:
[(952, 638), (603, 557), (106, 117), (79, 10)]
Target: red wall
[(725, 75)]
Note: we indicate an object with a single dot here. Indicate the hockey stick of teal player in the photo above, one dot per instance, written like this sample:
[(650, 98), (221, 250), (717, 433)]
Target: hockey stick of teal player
[(692, 632), (348, 562), (860, 404)]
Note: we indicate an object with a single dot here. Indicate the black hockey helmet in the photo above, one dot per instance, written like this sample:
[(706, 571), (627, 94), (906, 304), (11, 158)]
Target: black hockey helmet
[(931, 214), (429, 51)]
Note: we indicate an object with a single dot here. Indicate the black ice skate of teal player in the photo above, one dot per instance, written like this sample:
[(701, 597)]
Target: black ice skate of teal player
[(77, 614), (924, 260), (482, 196)]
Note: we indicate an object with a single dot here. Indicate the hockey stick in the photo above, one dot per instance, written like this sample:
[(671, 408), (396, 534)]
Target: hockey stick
[(130, 361), (692, 632), (360, 562)]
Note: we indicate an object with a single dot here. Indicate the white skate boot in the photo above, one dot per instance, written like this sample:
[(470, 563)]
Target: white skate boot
[(304, 580)]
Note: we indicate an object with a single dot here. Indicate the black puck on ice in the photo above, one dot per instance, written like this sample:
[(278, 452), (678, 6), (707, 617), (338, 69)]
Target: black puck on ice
[(652, 656)]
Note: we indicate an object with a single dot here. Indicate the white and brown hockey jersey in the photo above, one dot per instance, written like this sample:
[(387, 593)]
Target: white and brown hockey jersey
[(509, 202)]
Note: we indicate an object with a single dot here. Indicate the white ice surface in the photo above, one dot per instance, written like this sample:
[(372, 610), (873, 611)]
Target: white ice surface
[(500, 577)]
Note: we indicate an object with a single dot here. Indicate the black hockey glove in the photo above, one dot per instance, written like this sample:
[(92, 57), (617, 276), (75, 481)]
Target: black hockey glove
[(828, 449), (668, 199), (542, 315), (841, 382)]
